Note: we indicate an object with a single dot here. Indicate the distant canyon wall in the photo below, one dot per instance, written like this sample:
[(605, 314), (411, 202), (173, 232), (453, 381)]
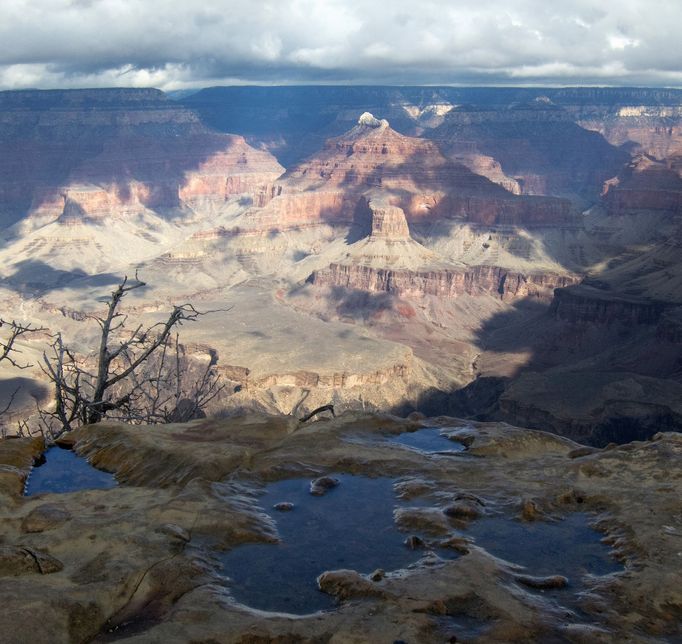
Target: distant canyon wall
[(94, 153), (447, 283)]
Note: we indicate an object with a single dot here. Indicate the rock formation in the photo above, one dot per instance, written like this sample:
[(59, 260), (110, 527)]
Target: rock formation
[(655, 128), (140, 562), (589, 305), (472, 237), (645, 185), (445, 283), (369, 120), (388, 223), (413, 172), (115, 176), (295, 121), (537, 145), (113, 152)]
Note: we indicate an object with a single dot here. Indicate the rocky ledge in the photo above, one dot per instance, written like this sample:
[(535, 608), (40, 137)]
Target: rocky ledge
[(589, 305), (138, 562), (449, 283)]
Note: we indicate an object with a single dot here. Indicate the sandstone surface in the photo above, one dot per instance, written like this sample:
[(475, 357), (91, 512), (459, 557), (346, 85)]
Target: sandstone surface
[(138, 561)]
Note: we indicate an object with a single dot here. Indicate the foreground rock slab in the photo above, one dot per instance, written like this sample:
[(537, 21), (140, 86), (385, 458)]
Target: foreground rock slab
[(136, 563)]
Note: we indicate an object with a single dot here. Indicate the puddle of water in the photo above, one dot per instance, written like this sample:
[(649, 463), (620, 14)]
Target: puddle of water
[(429, 439), (569, 547), (351, 526), (65, 471)]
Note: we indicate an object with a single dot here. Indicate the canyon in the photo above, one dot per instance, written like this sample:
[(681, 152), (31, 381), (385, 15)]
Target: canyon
[(481, 252), (446, 325)]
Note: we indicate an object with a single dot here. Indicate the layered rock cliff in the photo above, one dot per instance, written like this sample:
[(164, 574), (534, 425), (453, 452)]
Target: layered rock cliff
[(654, 129), (589, 305), (447, 283), (389, 223), (116, 152), (412, 172), (445, 232), (294, 122), (537, 145), (645, 184)]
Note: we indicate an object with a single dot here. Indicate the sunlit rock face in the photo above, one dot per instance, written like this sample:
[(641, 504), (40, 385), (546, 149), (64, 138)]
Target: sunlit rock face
[(388, 222), (477, 280), (490, 168), (369, 120), (397, 179), (646, 184), (411, 173), (653, 126), (110, 152)]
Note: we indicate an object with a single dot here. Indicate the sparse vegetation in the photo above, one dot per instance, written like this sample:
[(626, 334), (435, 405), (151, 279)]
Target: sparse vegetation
[(136, 375), (11, 331)]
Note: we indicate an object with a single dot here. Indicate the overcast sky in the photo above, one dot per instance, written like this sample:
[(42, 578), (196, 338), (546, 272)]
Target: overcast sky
[(176, 44)]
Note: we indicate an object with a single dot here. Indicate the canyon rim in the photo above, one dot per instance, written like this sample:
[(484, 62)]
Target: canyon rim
[(340, 323)]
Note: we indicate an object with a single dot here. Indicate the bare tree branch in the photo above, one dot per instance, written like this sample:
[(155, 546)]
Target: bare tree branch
[(8, 350), (133, 378), (5, 409), (7, 346)]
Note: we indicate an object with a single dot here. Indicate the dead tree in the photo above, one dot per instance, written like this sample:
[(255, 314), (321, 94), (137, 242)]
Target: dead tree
[(8, 350), (169, 390), (319, 410), (113, 384), (7, 345)]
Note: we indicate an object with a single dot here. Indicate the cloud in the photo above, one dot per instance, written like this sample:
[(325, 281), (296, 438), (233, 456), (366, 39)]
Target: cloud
[(172, 44)]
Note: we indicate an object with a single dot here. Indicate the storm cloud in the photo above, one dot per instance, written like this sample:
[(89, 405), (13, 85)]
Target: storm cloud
[(175, 44)]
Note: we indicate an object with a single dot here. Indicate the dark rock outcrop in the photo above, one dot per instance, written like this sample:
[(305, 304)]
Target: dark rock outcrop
[(589, 305)]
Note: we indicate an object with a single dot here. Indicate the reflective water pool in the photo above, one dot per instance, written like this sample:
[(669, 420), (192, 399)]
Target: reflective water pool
[(65, 471), (351, 526), (569, 547), (429, 439)]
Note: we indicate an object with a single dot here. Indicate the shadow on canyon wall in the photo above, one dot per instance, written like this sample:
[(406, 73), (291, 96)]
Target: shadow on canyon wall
[(100, 137), (532, 133), (37, 159), (630, 376), (479, 399), (294, 122), (546, 151), (460, 197), (35, 277)]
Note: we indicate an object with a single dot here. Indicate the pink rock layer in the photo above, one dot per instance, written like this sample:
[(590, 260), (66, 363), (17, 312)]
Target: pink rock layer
[(447, 283), (409, 171)]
